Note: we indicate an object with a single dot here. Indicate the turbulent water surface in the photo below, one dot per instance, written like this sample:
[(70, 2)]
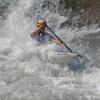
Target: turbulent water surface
[(23, 76)]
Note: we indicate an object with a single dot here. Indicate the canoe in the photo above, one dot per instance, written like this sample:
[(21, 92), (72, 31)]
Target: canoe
[(60, 57)]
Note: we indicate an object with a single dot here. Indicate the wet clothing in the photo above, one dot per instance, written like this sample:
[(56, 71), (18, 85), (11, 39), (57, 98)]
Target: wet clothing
[(43, 38)]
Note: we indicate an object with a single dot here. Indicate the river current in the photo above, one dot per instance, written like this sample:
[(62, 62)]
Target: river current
[(23, 76)]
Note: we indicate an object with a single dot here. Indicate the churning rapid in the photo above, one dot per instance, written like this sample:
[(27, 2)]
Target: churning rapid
[(23, 76)]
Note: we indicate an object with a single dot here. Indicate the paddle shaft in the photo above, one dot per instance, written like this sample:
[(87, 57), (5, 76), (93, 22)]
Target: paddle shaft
[(62, 41), (59, 39)]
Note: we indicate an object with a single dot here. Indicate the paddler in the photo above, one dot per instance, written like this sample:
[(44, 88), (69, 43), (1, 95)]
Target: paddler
[(40, 36)]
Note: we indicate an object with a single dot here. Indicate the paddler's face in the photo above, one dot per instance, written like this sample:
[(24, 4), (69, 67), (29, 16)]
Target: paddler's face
[(41, 24)]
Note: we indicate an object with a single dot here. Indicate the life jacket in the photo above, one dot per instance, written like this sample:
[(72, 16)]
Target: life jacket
[(42, 38)]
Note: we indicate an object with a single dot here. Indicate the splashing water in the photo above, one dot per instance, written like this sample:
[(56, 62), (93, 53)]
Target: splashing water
[(23, 76)]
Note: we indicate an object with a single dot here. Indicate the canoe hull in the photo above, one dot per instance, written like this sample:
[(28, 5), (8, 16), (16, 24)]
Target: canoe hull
[(59, 57)]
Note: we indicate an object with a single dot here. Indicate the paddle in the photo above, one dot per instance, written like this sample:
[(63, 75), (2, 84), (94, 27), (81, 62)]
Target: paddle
[(62, 42)]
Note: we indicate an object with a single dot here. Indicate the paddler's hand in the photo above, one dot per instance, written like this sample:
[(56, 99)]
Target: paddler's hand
[(36, 31), (56, 41)]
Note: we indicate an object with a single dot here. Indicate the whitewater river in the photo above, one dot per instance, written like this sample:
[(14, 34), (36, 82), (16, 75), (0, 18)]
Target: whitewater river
[(23, 76)]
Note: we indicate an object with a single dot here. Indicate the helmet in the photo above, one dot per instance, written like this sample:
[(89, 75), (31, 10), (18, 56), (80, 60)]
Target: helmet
[(42, 22)]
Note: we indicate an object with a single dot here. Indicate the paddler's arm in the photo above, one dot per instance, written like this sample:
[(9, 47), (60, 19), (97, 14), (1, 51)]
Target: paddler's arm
[(35, 32)]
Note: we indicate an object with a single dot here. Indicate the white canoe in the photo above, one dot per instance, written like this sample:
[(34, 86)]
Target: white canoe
[(59, 57)]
